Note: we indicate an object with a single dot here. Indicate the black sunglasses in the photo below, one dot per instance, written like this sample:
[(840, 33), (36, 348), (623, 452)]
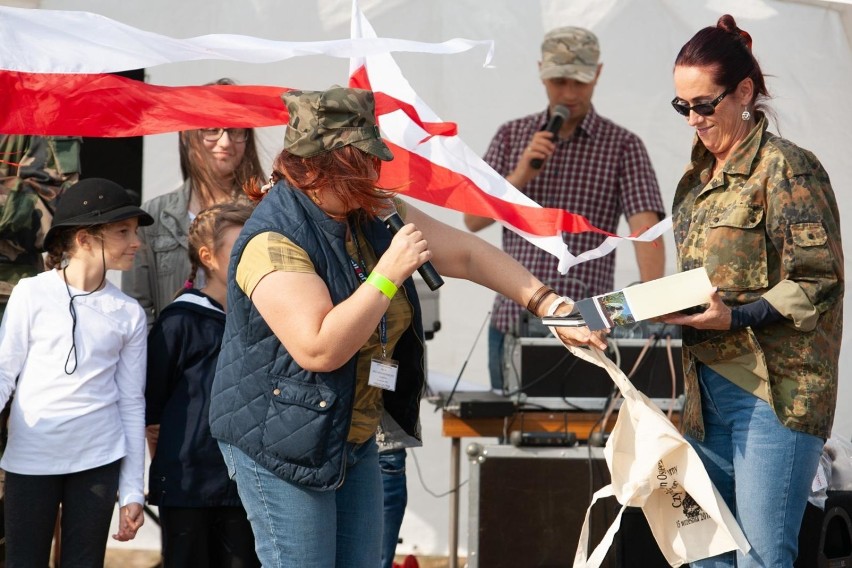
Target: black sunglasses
[(704, 109)]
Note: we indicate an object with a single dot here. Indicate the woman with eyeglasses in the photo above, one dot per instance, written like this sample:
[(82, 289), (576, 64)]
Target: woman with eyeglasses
[(215, 163), (759, 214)]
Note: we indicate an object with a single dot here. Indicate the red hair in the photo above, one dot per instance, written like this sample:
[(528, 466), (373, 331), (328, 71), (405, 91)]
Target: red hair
[(347, 172)]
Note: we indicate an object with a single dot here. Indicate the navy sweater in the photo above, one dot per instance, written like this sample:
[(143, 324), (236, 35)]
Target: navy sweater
[(188, 469)]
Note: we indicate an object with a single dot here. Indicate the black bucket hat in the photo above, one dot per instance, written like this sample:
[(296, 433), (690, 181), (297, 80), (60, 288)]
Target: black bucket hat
[(94, 201)]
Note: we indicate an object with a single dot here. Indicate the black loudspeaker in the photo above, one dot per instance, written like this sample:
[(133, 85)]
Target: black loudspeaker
[(825, 538), (527, 507), (634, 544), (551, 376), (835, 543), (116, 159)]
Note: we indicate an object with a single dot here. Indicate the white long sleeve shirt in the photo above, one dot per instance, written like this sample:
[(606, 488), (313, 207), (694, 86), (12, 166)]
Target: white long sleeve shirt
[(64, 423)]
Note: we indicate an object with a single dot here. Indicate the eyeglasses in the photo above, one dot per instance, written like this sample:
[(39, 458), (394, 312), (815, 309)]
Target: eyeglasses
[(234, 134), (704, 109)]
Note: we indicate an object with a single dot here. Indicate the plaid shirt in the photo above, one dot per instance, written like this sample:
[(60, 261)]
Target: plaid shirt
[(601, 172)]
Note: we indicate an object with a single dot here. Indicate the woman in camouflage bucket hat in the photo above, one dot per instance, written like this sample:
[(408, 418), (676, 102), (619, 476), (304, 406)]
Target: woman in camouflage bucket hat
[(324, 334), (761, 363)]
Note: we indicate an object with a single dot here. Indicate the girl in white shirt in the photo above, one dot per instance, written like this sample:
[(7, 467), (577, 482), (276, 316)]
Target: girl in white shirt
[(73, 351)]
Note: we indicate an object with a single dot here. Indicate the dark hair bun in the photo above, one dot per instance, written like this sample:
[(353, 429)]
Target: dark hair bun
[(728, 24)]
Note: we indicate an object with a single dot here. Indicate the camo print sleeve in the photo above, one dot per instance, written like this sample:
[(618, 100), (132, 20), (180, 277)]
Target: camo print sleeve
[(802, 224), (34, 171)]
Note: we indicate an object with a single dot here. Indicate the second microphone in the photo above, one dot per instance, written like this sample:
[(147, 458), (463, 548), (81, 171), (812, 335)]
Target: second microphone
[(558, 116)]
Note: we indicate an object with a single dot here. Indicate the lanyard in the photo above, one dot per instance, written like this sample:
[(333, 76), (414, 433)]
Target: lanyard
[(360, 269)]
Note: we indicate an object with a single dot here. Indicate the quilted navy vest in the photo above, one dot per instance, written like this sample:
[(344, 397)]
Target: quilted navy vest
[(291, 421)]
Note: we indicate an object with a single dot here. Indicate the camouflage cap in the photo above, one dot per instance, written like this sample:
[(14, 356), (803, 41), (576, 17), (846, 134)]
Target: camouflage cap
[(571, 53), (325, 120)]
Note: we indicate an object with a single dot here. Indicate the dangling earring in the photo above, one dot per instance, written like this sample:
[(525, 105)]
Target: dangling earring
[(315, 199), (746, 114)]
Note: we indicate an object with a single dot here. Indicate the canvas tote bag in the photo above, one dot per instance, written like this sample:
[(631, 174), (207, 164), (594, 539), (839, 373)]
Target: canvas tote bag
[(653, 467)]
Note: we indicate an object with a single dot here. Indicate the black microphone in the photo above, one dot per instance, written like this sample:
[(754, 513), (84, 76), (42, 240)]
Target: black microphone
[(558, 115), (394, 223)]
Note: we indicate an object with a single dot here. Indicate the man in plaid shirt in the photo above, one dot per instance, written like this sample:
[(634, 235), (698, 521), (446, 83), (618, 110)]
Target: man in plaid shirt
[(594, 168)]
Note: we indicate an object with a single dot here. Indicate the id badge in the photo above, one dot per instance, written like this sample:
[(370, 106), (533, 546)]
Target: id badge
[(383, 373)]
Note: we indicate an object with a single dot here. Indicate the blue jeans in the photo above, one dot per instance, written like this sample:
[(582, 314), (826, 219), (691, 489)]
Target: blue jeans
[(495, 357), (761, 468), (392, 465), (297, 526)]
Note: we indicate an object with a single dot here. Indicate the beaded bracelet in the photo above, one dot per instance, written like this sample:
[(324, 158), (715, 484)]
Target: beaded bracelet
[(383, 283)]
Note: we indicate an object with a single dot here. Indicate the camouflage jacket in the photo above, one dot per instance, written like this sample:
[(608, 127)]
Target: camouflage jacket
[(34, 171), (766, 225)]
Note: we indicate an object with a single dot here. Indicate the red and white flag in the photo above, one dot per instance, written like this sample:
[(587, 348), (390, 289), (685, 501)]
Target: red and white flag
[(54, 80), (54, 77), (457, 177)]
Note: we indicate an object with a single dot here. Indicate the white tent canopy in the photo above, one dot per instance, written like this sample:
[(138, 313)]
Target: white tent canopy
[(803, 46)]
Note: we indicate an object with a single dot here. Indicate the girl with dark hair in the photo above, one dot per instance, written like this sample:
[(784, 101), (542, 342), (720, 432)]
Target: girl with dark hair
[(203, 522), (324, 334), (72, 348), (215, 163), (760, 365)]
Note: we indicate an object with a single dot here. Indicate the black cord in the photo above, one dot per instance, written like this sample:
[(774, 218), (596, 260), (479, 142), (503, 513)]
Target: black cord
[(458, 378), (423, 483), (73, 310), (546, 374), (653, 342)]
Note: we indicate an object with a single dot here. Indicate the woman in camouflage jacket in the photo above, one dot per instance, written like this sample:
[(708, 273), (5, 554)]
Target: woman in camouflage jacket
[(760, 362)]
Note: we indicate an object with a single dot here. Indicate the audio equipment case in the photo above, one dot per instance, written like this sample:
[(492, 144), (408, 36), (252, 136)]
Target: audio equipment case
[(539, 371), (527, 507)]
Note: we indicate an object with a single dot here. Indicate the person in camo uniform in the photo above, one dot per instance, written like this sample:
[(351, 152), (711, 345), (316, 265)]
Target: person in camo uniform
[(34, 171), (760, 363)]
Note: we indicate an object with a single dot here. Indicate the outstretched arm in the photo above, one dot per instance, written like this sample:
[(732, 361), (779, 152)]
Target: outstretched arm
[(462, 255)]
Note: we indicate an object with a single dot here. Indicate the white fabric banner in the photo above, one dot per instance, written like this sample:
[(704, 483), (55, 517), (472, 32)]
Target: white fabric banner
[(55, 41)]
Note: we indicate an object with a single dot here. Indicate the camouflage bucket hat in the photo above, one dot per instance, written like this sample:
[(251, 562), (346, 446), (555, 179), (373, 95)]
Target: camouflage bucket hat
[(325, 120), (571, 53)]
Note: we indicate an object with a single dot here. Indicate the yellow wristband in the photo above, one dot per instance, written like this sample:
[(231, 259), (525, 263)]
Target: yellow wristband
[(384, 285)]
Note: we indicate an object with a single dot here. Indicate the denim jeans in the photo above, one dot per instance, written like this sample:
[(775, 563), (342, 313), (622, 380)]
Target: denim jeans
[(392, 464), (495, 357), (297, 526), (761, 468)]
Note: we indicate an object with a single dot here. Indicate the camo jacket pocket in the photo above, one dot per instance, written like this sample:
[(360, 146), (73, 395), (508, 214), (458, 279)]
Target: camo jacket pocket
[(735, 248), (809, 254)]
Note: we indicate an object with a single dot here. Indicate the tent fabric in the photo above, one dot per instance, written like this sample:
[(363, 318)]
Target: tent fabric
[(803, 45)]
